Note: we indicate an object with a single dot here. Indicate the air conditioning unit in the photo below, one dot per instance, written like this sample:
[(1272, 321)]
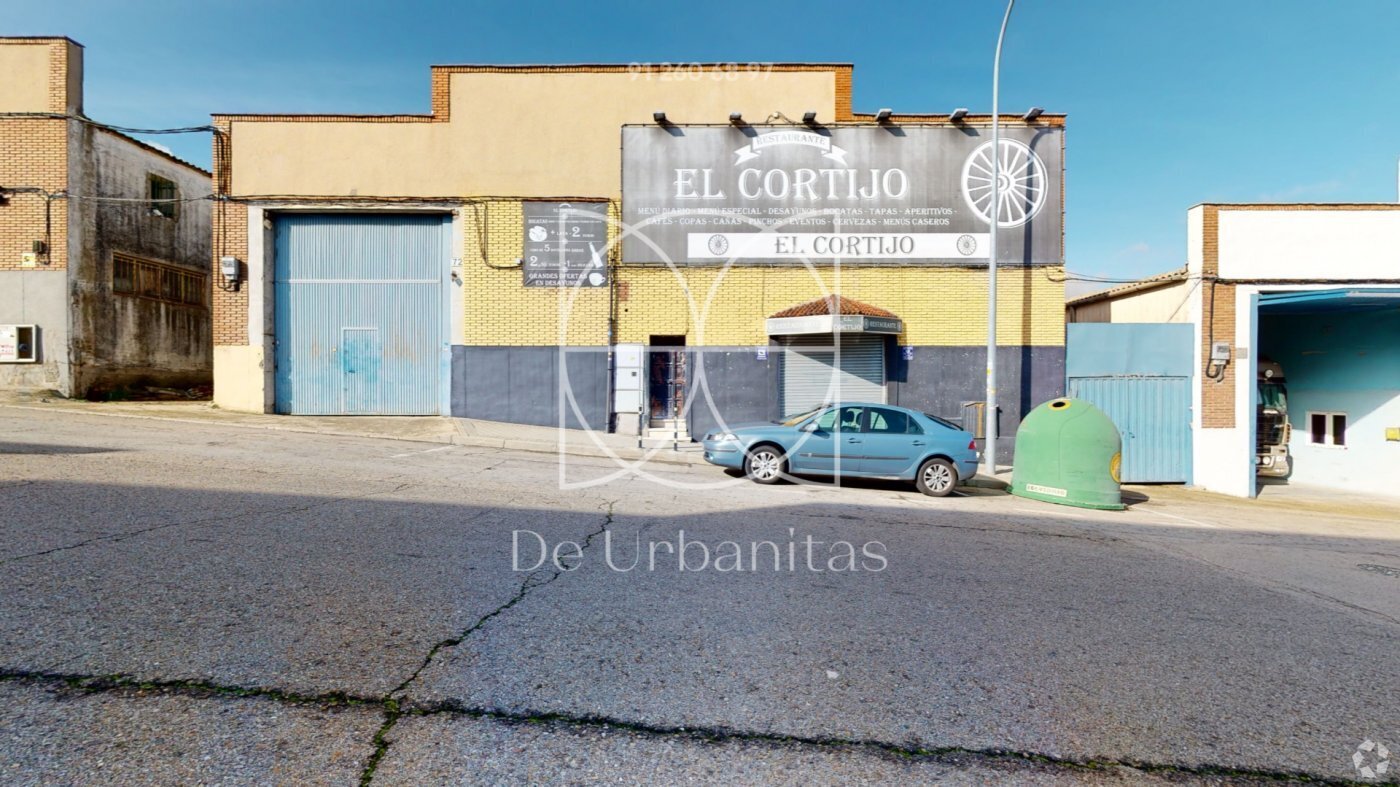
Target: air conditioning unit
[(19, 344)]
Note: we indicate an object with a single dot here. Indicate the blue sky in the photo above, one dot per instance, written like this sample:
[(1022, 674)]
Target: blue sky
[(1170, 103)]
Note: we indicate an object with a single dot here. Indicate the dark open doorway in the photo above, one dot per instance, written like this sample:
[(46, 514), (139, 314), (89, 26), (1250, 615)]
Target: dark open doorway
[(666, 379)]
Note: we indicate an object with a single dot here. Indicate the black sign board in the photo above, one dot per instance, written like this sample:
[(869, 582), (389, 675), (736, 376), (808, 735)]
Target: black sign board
[(566, 244)]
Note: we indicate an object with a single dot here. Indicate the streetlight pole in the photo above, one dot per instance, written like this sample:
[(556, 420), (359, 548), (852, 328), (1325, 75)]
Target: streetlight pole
[(989, 449)]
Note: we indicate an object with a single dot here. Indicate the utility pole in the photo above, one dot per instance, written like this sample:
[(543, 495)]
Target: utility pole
[(989, 450)]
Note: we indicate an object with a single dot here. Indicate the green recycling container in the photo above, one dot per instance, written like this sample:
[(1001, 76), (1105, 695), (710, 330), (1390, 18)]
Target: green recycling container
[(1068, 452)]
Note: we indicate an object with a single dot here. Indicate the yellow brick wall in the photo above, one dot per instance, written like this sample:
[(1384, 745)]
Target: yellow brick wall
[(712, 306), (35, 155), (939, 306), (500, 309)]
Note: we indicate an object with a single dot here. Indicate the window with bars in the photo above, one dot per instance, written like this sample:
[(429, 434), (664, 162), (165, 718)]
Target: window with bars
[(149, 279), (165, 196)]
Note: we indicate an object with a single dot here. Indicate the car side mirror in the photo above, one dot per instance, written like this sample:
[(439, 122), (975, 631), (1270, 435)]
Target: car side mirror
[(810, 426)]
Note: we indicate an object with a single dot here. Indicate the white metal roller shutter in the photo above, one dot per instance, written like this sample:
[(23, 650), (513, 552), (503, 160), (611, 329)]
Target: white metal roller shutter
[(810, 377)]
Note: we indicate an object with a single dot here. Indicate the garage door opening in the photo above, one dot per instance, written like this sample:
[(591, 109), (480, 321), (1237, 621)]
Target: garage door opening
[(1339, 406)]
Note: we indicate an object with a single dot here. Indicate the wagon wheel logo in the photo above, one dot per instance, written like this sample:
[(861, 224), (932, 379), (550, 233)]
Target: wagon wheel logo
[(1022, 183)]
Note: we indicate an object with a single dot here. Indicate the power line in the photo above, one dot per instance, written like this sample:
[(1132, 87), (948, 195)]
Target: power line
[(98, 124)]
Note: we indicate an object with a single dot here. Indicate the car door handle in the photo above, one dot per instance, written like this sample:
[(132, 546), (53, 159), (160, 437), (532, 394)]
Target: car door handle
[(918, 442), (852, 440)]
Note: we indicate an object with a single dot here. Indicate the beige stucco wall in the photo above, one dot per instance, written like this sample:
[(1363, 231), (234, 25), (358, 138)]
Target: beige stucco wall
[(512, 134), (24, 77), (238, 379), (1163, 304)]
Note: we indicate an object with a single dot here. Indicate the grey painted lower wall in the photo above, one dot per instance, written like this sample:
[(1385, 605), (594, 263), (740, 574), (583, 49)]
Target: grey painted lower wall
[(939, 380), (730, 386), (38, 297), (744, 388), (521, 385), (735, 385)]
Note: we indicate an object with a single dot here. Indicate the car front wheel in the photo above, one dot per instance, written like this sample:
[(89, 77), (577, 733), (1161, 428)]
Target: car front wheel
[(937, 478), (765, 464)]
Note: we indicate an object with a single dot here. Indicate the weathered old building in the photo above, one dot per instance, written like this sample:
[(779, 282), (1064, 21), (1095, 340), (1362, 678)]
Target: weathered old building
[(104, 240), (633, 247)]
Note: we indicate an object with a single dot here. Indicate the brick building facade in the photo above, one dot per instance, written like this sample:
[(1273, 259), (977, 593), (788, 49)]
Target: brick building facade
[(1299, 301), (113, 285), (499, 138)]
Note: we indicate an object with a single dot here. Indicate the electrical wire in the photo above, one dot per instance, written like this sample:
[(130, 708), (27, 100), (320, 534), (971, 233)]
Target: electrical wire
[(98, 124), (143, 200)]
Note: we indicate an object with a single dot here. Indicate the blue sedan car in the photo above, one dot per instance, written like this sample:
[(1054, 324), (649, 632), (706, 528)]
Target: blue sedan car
[(856, 439)]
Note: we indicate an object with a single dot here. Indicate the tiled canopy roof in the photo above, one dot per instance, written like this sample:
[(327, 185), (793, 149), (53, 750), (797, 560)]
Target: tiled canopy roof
[(833, 304)]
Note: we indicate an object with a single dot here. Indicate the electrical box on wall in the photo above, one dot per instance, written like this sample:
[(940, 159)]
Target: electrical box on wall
[(18, 344), (627, 378)]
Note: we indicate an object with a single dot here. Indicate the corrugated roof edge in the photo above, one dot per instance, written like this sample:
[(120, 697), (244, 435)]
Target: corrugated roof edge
[(1151, 282)]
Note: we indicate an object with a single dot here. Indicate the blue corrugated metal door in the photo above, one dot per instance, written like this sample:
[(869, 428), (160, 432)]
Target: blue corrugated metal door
[(1153, 414), (1139, 374), (359, 303)]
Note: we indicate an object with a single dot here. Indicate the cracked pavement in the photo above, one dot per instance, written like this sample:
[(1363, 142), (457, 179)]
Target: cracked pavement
[(187, 603)]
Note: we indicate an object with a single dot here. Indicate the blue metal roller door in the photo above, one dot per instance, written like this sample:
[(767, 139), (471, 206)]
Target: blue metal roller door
[(359, 313)]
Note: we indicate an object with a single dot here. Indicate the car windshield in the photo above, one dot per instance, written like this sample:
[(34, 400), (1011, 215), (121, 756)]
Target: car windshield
[(1273, 396), (794, 420), (942, 421)]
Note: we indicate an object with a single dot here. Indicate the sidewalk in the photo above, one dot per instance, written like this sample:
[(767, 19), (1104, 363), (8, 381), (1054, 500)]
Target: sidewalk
[(423, 429)]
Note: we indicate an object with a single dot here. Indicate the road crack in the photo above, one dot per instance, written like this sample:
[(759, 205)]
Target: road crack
[(391, 701), (958, 756)]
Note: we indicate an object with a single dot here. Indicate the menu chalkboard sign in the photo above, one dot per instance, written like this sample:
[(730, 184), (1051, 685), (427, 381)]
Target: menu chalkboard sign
[(566, 244)]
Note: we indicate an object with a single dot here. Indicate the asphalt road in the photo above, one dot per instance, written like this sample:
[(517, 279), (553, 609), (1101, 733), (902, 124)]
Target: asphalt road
[(207, 604)]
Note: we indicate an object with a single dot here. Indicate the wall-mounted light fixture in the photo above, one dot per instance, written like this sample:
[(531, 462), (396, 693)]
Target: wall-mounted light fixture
[(809, 117), (736, 118), (958, 115), (659, 117), (1032, 114), (883, 116)]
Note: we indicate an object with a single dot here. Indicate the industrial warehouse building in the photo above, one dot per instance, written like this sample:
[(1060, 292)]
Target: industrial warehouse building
[(104, 241), (1280, 310), (632, 249)]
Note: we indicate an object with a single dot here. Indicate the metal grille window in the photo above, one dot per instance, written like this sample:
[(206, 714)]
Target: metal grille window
[(165, 196), (158, 281)]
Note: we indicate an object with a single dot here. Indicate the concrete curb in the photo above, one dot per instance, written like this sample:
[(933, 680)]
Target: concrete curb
[(458, 438)]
